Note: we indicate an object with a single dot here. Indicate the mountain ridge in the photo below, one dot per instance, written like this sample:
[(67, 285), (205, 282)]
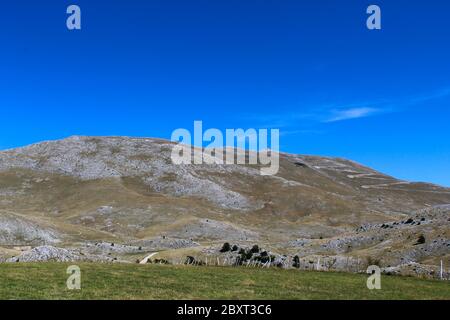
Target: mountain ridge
[(83, 189)]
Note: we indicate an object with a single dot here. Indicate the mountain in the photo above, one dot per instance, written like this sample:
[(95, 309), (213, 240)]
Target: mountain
[(91, 190)]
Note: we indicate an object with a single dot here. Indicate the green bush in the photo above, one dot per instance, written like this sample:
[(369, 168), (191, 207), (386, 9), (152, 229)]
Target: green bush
[(296, 263), (226, 247), (248, 255)]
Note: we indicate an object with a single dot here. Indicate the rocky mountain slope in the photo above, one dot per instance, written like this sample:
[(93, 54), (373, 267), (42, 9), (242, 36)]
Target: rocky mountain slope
[(85, 190)]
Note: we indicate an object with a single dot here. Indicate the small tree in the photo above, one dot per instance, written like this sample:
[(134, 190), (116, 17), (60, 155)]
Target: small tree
[(296, 263), (189, 260), (226, 247)]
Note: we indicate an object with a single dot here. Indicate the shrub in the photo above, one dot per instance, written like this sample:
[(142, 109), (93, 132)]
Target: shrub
[(254, 249), (239, 260), (421, 239), (264, 259), (235, 248), (226, 247), (296, 263), (189, 260), (161, 261), (261, 259)]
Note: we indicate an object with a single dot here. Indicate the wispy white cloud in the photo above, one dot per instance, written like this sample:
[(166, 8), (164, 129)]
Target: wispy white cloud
[(313, 115), (429, 96), (351, 113)]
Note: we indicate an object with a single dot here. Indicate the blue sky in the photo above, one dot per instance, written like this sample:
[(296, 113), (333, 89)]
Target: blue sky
[(310, 68)]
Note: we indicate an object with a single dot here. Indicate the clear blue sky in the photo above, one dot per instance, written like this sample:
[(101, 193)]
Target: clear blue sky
[(310, 68)]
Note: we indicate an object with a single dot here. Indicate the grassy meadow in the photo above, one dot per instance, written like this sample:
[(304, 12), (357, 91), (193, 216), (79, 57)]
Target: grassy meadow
[(132, 281)]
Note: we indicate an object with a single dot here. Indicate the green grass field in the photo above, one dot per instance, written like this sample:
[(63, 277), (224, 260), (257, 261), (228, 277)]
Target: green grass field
[(130, 281)]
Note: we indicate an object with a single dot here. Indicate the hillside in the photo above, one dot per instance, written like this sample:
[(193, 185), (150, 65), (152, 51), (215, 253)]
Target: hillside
[(82, 192)]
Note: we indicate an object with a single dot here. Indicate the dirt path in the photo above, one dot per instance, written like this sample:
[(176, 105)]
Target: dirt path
[(145, 260)]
